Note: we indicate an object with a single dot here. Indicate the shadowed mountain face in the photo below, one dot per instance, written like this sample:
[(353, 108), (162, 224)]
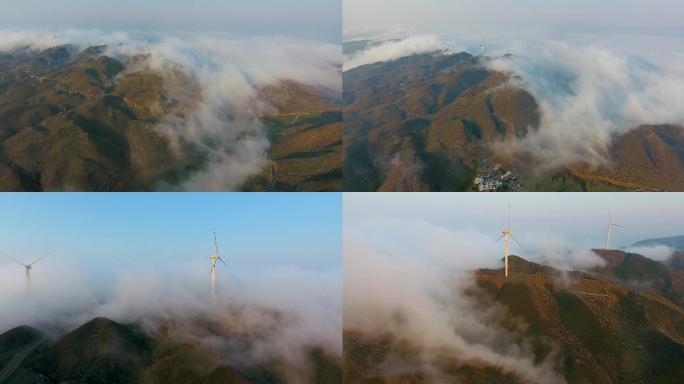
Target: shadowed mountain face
[(421, 122), (103, 351), (650, 157), (73, 120), (617, 324), (83, 121), (644, 274), (676, 261), (433, 122)]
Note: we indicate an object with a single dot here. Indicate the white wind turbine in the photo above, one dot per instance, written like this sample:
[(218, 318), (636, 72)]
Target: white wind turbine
[(27, 268), (507, 234), (609, 229), (216, 257)]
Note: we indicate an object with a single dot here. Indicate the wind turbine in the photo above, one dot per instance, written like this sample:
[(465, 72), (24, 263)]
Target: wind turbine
[(54, 40), (507, 234), (482, 48), (102, 41), (216, 257), (609, 229), (27, 268), (147, 46)]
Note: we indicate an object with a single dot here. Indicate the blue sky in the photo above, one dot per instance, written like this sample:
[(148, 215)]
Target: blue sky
[(579, 217), (117, 231), (311, 19)]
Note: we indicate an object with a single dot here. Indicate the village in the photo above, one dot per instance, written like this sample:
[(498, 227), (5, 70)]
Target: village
[(494, 177)]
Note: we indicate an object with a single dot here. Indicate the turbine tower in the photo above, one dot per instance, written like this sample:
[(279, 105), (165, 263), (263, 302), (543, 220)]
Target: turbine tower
[(27, 268), (507, 235), (609, 229), (216, 257)]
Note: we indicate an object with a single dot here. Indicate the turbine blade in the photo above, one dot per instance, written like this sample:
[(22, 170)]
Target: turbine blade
[(499, 239), (224, 263), (516, 241), (40, 258), (13, 259)]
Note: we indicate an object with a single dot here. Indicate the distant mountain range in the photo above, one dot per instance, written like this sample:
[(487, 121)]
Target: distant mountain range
[(676, 242), (676, 261), (620, 323), (430, 122), (78, 120), (106, 352)]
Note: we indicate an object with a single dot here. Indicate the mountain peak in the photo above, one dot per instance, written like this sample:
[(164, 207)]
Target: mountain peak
[(612, 256)]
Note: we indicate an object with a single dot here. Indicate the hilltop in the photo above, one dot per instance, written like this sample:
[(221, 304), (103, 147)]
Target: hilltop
[(435, 122), (104, 351), (621, 323)]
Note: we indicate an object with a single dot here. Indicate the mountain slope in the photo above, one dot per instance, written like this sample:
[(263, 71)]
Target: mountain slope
[(592, 327), (605, 331), (75, 120), (422, 122), (644, 274), (103, 351), (648, 158), (433, 122)]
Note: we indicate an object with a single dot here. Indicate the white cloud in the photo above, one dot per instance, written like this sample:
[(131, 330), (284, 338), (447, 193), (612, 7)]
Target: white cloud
[(273, 314), (393, 49), (654, 252), (587, 95), (417, 272), (230, 73)]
